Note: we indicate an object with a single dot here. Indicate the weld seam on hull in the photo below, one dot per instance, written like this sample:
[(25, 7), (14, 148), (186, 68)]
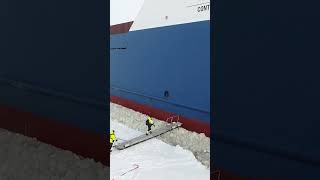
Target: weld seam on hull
[(159, 99), (298, 157), (53, 93)]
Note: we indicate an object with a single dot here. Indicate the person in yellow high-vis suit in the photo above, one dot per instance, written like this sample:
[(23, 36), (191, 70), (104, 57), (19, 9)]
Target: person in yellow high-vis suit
[(113, 138), (149, 123)]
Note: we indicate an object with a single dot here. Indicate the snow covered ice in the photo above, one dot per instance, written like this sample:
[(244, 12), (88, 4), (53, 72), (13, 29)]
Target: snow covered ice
[(198, 144), (152, 159), (24, 158)]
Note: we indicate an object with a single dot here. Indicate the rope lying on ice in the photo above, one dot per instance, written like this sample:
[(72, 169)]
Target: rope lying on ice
[(136, 166)]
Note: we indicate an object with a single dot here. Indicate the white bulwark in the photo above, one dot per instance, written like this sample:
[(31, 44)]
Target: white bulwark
[(147, 14), (160, 13)]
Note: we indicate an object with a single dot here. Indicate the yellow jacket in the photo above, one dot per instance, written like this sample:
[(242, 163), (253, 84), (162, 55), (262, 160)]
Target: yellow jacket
[(112, 137), (150, 121)]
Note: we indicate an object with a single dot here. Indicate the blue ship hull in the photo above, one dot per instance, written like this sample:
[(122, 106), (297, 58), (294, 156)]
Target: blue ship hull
[(145, 64), (268, 88), (53, 80)]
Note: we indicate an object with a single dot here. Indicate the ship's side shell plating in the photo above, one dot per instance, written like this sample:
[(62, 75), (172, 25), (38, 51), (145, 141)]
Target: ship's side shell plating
[(163, 61)]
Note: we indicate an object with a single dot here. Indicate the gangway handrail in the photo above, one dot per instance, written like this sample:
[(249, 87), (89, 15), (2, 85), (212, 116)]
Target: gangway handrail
[(157, 132), (172, 119)]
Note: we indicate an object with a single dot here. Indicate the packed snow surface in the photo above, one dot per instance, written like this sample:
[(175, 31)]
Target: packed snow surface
[(24, 158), (198, 144), (152, 159)]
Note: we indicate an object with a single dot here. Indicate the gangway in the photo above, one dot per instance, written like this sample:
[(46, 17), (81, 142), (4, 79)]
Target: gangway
[(169, 126)]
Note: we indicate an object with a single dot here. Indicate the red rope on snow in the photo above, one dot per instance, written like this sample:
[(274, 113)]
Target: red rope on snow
[(136, 166)]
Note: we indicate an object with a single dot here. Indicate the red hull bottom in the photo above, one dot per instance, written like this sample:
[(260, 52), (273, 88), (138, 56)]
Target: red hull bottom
[(187, 123), (61, 135)]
